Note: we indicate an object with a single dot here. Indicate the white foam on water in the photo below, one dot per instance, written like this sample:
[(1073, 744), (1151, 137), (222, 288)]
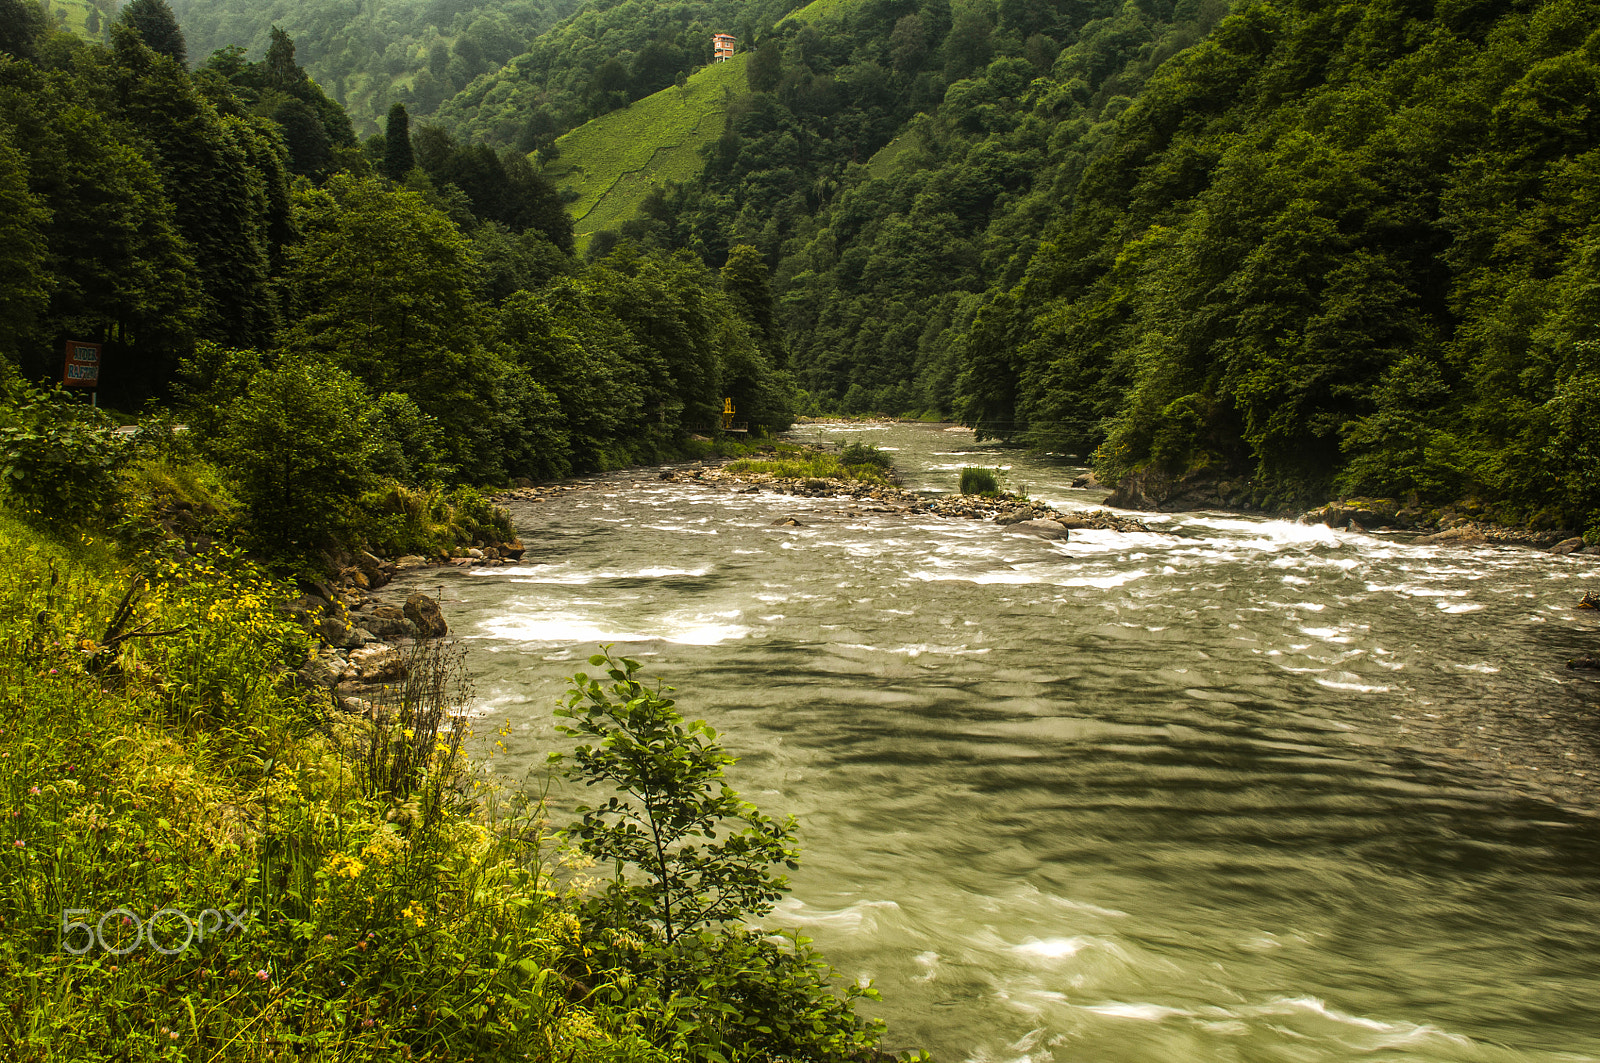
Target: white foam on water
[(981, 578), (944, 651), (1460, 607), (680, 529), (793, 911), (1353, 685), (1391, 1034), (1140, 1012), (1412, 590), (1361, 1034), (1327, 634), (568, 577), (555, 628), (1315, 607), (1054, 948), (703, 634)]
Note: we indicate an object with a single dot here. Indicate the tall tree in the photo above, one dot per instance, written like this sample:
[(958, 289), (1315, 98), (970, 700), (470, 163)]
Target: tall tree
[(744, 277), (205, 164), (766, 67), (398, 158), (24, 284), (283, 73), (22, 23), (157, 26)]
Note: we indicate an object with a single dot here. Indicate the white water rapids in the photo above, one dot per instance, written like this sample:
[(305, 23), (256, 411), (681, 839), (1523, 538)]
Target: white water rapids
[(1243, 790)]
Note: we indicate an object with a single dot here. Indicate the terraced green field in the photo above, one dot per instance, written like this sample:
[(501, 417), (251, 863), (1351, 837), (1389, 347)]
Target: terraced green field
[(612, 161)]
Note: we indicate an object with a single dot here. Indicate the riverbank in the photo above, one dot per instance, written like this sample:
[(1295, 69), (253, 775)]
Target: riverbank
[(202, 857), (1463, 523)]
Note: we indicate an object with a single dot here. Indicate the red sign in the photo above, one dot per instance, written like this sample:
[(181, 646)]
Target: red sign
[(83, 365)]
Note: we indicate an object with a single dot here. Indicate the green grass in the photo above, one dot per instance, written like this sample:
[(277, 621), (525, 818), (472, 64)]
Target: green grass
[(818, 11), (177, 769), (73, 15), (812, 466), (977, 481), (900, 153), (613, 161)]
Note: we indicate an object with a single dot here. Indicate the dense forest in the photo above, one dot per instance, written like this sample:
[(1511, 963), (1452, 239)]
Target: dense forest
[(1332, 247), (1295, 248), (1302, 248), (371, 55), (224, 238)]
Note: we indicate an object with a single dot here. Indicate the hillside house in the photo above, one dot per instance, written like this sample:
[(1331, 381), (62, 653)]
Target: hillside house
[(722, 47)]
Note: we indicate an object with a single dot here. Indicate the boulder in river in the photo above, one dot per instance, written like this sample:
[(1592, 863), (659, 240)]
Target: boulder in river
[(1464, 535), (1041, 527), (426, 614), (1367, 512), (339, 632), (1568, 546), (389, 624)]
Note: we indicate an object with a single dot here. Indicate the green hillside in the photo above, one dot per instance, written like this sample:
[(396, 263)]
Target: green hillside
[(817, 11), (73, 16), (612, 161)]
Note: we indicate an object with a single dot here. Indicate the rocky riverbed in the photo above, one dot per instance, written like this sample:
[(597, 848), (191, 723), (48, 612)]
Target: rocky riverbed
[(860, 498)]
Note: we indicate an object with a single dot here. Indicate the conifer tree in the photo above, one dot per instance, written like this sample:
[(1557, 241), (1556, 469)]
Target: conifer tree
[(283, 73), (398, 158), (157, 26)]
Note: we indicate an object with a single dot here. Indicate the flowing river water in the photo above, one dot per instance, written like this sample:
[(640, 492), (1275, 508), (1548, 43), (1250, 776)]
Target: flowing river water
[(1239, 790)]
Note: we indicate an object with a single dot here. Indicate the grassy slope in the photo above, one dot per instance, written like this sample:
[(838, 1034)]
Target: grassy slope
[(612, 161), (817, 11), (71, 15)]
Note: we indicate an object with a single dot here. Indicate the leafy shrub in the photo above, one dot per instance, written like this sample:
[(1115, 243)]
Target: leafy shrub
[(670, 774), (478, 517), (409, 444), (299, 443), (186, 504), (976, 481), (396, 519), (688, 875), (811, 464), (864, 461), (209, 382), (858, 454), (58, 456)]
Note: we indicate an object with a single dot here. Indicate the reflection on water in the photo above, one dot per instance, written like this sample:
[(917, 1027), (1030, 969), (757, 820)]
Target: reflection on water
[(1236, 790)]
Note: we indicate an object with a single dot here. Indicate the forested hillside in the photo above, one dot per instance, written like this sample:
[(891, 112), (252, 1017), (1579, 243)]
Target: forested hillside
[(1296, 248), (222, 238), (606, 55), (370, 55), (1333, 247)]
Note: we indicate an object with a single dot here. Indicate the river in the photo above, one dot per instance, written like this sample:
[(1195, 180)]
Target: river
[(1236, 790)]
